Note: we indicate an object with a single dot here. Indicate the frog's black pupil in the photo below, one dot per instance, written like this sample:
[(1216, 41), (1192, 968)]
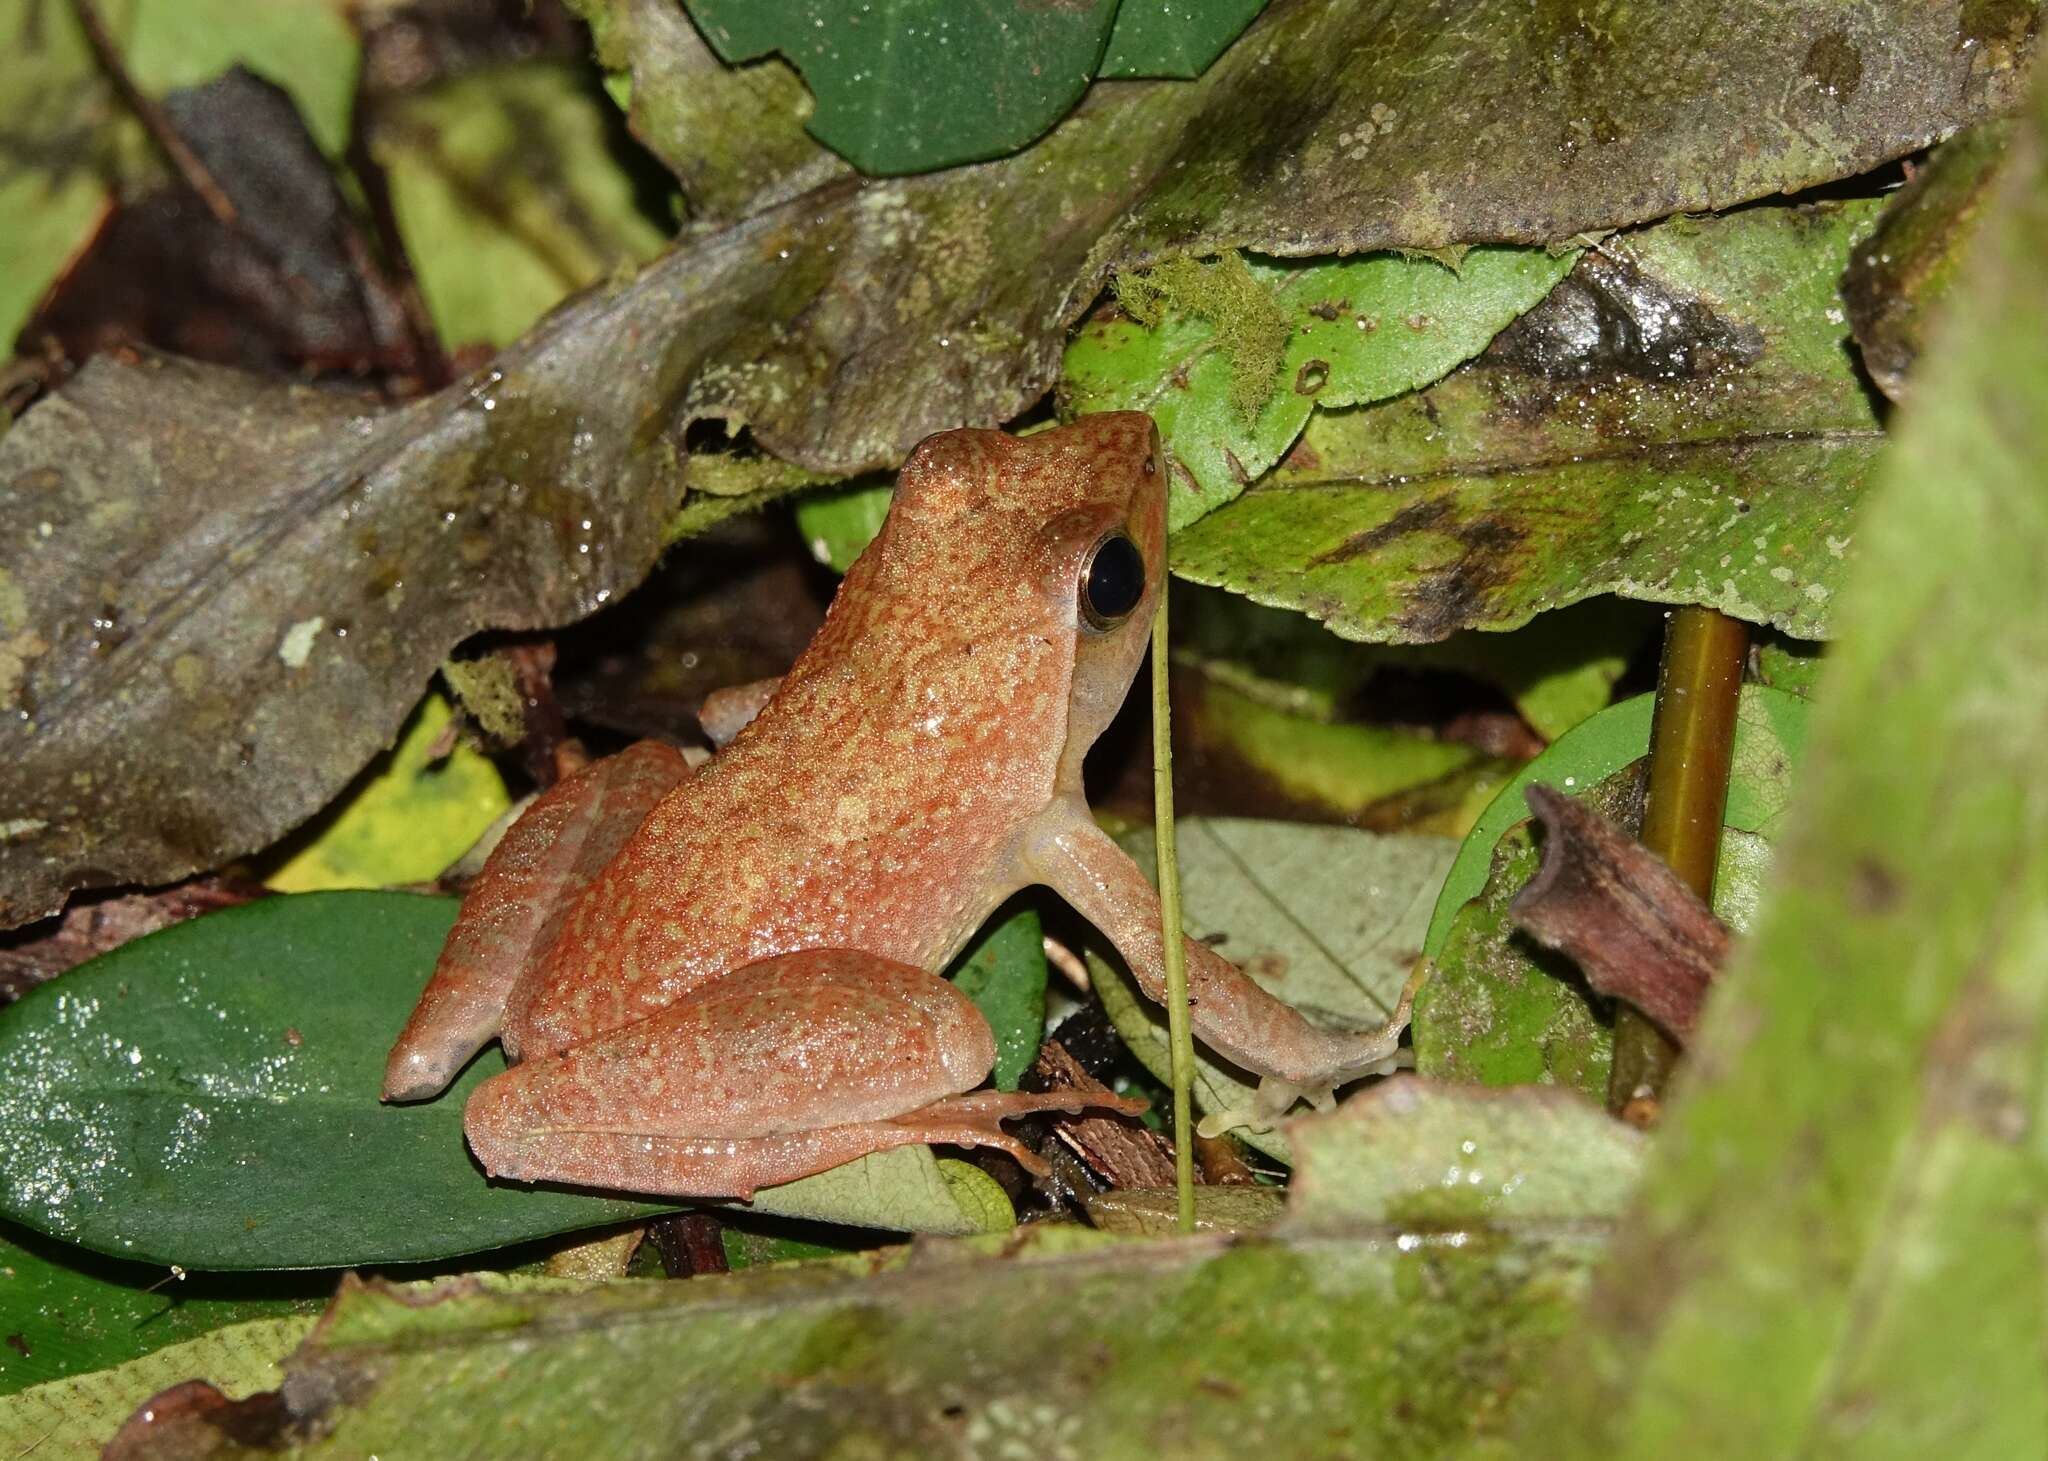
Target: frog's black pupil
[(1116, 580)]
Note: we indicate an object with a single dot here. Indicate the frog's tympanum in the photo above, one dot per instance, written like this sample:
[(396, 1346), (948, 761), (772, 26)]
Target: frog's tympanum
[(715, 981)]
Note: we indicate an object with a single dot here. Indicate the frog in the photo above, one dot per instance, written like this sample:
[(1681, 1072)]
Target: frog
[(711, 980)]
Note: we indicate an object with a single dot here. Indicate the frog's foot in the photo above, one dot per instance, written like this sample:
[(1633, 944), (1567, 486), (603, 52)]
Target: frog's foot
[(542, 862), (975, 1120), (778, 1070)]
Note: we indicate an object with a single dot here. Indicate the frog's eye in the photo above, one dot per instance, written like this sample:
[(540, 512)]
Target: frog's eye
[(1113, 582)]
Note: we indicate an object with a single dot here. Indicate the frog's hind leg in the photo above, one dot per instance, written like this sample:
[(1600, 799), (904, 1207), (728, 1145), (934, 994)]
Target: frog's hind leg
[(515, 906), (778, 1070)]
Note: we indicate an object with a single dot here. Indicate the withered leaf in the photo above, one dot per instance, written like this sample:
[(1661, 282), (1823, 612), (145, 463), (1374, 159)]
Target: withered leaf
[(1627, 920)]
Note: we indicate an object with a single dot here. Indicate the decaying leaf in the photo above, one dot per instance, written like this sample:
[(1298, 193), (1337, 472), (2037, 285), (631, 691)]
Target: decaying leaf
[(219, 597), (1897, 281), (1635, 930)]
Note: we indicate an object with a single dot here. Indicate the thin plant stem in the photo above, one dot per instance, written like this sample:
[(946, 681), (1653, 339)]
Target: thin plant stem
[(1692, 749), (1180, 1040)]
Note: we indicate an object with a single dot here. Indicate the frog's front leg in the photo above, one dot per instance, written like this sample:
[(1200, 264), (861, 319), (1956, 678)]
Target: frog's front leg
[(547, 857), (1231, 1013), (770, 1073)]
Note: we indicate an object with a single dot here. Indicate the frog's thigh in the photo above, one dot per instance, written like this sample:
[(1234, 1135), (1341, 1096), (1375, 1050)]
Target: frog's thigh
[(547, 857), (780, 1069)]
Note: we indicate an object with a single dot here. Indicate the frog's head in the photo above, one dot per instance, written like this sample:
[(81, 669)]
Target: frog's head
[(1105, 564), (1034, 564)]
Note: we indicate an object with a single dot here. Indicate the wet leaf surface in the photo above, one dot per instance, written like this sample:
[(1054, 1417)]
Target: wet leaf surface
[(1414, 1151), (1841, 1225), (1681, 421), (207, 1096), (208, 518)]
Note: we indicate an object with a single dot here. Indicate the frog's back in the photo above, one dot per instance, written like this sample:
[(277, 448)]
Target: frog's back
[(876, 801)]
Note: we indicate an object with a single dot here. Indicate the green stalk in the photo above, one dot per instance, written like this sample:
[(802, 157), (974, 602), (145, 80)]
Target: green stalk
[(1180, 1040), (1692, 747)]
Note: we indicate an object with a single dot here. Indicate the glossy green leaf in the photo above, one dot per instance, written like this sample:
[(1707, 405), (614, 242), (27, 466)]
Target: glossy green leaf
[(1350, 330), (207, 1096), (407, 818), (64, 1311), (1838, 1246), (1003, 971), (1174, 37), (913, 85), (513, 188), (1330, 919), (1680, 421)]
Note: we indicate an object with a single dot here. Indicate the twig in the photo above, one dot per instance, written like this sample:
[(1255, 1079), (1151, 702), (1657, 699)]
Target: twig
[(195, 173)]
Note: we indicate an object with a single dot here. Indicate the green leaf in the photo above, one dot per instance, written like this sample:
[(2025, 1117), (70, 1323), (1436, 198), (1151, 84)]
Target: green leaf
[(1330, 919), (1413, 1151), (1003, 971), (513, 187), (1353, 330), (1067, 1343), (1716, 456), (840, 521), (164, 1100), (1498, 1009), (1165, 38), (1770, 737), (1838, 1246), (68, 1312), (73, 1418), (1381, 778), (913, 85), (1558, 669), (407, 818)]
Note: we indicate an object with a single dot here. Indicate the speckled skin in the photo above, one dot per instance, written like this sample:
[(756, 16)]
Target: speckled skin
[(746, 991)]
